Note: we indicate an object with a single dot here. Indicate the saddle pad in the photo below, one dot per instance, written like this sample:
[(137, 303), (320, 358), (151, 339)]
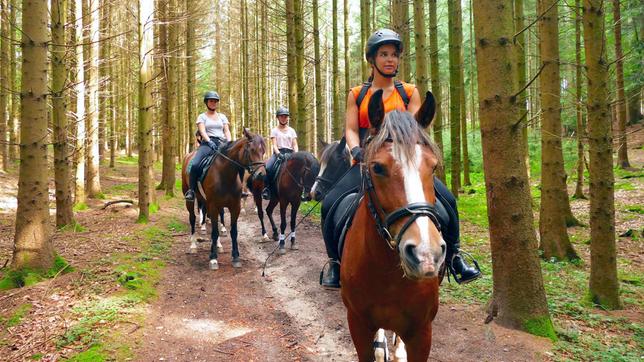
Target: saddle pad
[(205, 165)]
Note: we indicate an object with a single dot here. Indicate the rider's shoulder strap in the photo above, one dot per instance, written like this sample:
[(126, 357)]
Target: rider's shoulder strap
[(401, 90), (363, 93)]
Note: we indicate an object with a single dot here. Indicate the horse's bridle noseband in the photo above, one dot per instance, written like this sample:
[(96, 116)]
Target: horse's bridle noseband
[(252, 167), (413, 211)]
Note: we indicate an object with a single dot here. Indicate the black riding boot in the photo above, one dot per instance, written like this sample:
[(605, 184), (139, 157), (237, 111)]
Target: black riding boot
[(331, 279), (462, 272), (190, 194), (266, 192)]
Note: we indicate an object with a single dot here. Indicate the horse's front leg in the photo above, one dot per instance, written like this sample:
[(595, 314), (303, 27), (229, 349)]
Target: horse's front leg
[(260, 214), (234, 215), (362, 336), (418, 343), (202, 216), (190, 205), (282, 239), (214, 237), (294, 208), (269, 212)]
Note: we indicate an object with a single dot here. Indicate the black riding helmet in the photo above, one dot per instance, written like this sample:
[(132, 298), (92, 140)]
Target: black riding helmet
[(379, 38), (282, 111), (210, 95)]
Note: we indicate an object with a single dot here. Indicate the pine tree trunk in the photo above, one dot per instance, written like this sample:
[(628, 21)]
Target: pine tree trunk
[(421, 47), (581, 126), (15, 86), (466, 154), (32, 245), (102, 81), (455, 85), (604, 286), (622, 144), (246, 99), (64, 213), (290, 57), (90, 40), (400, 17), (512, 237), (319, 106), (171, 115), (191, 77), (347, 67), (364, 35), (552, 216), (81, 134), (71, 65), (337, 122), (145, 108), (519, 24), (4, 81), (436, 85), (301, 120)]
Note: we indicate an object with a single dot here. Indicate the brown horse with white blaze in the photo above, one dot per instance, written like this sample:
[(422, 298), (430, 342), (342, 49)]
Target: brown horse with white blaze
[(222, 187), (394, 250)]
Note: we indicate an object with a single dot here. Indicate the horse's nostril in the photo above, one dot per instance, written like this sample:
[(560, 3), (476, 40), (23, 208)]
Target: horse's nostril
[(443, 248), (410, 253)]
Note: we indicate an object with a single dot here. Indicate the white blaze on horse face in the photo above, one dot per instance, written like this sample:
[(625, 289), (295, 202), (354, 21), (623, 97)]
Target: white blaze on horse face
[(315, 184), (414, 190)]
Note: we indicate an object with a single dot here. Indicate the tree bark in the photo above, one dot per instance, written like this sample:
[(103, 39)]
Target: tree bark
[(455, 84), (15, 86), (171, 116), (512, 237), (347, 67), (364, 35), (90, 41), (466, 153), (581, 125), (519, 24), (291, 68), (436, 85), (64, 212), (32, 245), (81, 134), (301, 120), (191, 76), (319, 106), (337, 122), (400, 24), (421, 47), (552, 216), (604, 286), (145, 107), (622, 144), (4, 81)]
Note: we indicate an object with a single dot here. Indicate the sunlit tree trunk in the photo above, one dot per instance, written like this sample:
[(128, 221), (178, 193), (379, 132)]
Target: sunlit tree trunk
[(516, 272), (301, 121), (436, 87), (466, 153), (519, 25), (421, 47), (90, 41), (455, 85), (335, 92), (290, 57), (171, 117), (319, 106), (581, 125), (145, 18), (400, 18), (32, 245), (622, 145), (364, 35), (15, 86), (191, 76), (604, 286), (347, 67), (4, 81), (552, 216), (64, 213), (81, 134)]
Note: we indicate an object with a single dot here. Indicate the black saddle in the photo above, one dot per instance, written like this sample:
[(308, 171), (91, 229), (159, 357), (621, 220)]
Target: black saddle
[(277, 167), (340, 217)]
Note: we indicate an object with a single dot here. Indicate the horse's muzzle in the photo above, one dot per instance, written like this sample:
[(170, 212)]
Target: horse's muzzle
[(421, 262)]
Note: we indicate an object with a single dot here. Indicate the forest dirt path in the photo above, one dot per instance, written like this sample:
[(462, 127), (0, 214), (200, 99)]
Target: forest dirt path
[(237, 315)]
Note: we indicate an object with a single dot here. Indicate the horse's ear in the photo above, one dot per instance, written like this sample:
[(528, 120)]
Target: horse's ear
[(342, 145), (425, 114), (248, 134), (376, 109), (322, 144)]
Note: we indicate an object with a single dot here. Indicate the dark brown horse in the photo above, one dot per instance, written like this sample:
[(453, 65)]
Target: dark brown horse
[(255, 185), (295, 177), (394, 249), (222, 188)]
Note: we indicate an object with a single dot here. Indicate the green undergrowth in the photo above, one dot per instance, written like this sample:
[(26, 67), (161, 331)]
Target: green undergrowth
[(74, 227), (132, 160), (315, 214), (27, 276), (101, 332), (16, 315), (81, 206), (123, 188)]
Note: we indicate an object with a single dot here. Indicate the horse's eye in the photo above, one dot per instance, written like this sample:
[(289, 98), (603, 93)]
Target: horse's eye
[(379, 169)]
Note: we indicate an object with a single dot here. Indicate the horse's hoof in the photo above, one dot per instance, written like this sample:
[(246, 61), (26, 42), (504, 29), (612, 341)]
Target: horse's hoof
[(220, 248), (237, 263), (214, 265), (203, 228), (243, 211), (265, 238), (192, 249), (275, 237), (294, 246), (223, 231), (282, 250)]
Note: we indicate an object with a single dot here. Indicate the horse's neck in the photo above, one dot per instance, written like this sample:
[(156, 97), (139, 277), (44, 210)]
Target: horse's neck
[(370, 240)]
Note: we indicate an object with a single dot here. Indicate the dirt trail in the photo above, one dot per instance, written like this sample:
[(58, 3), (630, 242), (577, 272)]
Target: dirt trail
[(236, 315)]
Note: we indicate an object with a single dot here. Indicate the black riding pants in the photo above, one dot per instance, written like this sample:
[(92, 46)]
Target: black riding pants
[(351, 183), (195, 171)]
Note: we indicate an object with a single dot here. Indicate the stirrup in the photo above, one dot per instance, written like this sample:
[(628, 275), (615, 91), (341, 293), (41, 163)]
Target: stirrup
[(452, 271), (324, 267)]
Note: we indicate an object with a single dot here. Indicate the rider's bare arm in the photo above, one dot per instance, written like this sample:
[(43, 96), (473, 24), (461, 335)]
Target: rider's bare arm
[(227, 133), (202, 131), (295, 145), (351, 122), (414, 102)]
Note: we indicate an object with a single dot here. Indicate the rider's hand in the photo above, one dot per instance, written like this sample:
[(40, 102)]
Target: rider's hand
[(357, 153), (212, 144)]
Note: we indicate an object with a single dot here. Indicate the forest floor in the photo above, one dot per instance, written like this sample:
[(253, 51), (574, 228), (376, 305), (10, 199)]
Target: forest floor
[(135, 294)]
